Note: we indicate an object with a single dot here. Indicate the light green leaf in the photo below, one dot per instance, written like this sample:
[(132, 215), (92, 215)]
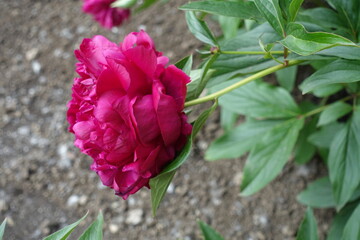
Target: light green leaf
[(318, 194), (300, 41), (334, 112), (185, 64), (208, 232), (304, 150), (240, 140), (123, 3), (94, 231), (286, 77), (229, 26), (200, 29), (352, 227), (308, 227), (64, 233), (344, 160), (200, 121), (243, 10), (227, 119), (260, 100), (146, 4), (325, 135), (327, 90), (346, 52), (2, 229), (271, 11), (340, 220), (339, 71), (294, 9), (268, 157)]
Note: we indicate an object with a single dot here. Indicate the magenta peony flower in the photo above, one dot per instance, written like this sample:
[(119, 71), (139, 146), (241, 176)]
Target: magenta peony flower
[(126, 110), (104, 13)]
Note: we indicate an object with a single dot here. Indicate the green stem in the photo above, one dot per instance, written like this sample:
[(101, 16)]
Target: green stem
[(251, 52), (322, 108), (260, 74)]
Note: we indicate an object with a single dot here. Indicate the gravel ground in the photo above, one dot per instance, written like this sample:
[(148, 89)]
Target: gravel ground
[(46, 183)]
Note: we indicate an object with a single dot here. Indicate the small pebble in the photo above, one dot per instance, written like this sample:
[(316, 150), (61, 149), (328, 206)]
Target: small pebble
[(113, 228), (36, 67), (134, 216), (73, 200)]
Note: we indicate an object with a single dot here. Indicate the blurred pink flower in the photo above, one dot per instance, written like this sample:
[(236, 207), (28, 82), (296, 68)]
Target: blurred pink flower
[(103, 13), (126, 110)]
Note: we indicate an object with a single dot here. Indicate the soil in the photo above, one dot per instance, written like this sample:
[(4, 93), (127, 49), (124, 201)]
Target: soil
[(46, 183)]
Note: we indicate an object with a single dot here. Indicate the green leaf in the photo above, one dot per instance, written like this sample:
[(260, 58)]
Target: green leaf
[(339, 71), (2, 229), (300, 41), (161, 182), (271, 11), (268, 157), (123, 3), (64, 233), (197, 85), (185, 64), (260, 100), (227, 119), (229, 26), (340, 220), (158, 186), (304, 150), (94, 231), (346, 52), (318, 194), (208, 232), (200, 121), (343, 163), (327, 90), (334, 112), (352, 227), (294, 9), (200, 29), (242, 10), (145, 5), (286, 77), (308, 227), (325, 135), (240, 140)]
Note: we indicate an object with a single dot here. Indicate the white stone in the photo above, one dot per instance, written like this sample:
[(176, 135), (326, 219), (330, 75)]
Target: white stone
[(171, 188), (73, 200), (134, 216), (113, 228), (31, 54), (36, 67)]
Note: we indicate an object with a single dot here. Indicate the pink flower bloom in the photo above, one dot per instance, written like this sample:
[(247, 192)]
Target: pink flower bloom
[(126, 110), (104, 13)]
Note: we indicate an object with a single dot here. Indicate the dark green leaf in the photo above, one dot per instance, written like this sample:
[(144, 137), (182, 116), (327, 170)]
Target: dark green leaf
[(64, 233), (260, 100), (94, 231), (240, 140), (229, 26), (268, 157), (271, 11), (334, 112), (308, 227), (300, 41), (2, 229), (286, 77), (185, 64), (200, 29), (325, 135), (158, 186), (340, 71), (243, 10), (343, 163), (161, 182), (208, 232), (346, 52), (304, 150), (352, 227), (294, 9), (340, 220)]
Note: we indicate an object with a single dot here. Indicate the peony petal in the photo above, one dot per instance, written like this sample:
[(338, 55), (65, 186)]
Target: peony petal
[(144, 58), (174, 81), (108, 81), (83, 129)]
